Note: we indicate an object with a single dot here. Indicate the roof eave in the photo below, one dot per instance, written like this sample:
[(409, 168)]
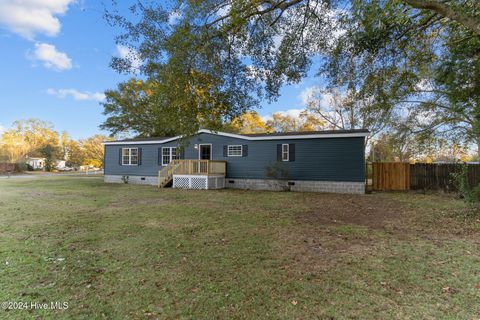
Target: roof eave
[(238, 136)]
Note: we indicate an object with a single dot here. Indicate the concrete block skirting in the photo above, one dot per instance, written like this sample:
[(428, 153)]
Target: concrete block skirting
[(149, 180), (297, 185), (262, 184)]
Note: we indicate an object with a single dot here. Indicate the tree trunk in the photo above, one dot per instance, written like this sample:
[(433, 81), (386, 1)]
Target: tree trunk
[(443, 9)]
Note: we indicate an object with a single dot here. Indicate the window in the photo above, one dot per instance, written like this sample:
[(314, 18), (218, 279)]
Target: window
[(285, 152), (234, 151), (169, 154), (129, 156)]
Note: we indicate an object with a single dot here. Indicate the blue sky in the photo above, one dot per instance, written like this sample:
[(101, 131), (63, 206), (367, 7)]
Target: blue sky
[(55, 65)]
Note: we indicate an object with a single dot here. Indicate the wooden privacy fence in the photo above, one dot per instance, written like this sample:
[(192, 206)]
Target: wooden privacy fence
[(438, 176), (390, 176), (397, 176)]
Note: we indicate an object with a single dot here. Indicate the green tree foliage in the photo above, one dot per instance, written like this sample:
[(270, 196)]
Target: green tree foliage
[(457, 90), (471, 194), (400, 58), (50, 153), (194, 79), (416, 62)]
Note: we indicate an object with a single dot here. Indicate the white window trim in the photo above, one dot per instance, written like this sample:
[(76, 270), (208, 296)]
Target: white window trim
[(129, 157), (170, 155), (235, 155), (287, 152)]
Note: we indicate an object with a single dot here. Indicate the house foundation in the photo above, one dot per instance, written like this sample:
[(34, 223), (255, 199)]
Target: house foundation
[(219, 182), (297, 185)]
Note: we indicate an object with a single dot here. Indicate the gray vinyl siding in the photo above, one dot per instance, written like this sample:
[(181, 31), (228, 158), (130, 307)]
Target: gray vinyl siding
[(323, 159)]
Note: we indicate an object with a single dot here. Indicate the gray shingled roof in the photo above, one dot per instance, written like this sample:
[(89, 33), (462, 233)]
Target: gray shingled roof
[(141, 139), (302, 133), (292, 133)]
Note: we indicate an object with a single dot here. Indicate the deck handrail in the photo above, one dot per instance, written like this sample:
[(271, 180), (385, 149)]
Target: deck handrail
[(202, 167), (166, 174)]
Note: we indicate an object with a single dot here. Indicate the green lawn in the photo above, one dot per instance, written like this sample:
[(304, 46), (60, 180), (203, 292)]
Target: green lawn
[(133, 252)]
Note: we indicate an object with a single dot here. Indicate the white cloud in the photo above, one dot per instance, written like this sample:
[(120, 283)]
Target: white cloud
[(256, 73), (76, 94), (175, 17), (51, 58), (2, 129), (424, 85), (131, 55), (295, 113), (224, 9), (318, 97), (29, 17), (308, 93)]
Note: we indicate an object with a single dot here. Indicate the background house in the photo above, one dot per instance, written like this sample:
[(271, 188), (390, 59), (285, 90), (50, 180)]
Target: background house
[(35, 163)]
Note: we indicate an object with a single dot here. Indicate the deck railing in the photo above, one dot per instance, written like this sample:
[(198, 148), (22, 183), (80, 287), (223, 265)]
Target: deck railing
[(200, 167)]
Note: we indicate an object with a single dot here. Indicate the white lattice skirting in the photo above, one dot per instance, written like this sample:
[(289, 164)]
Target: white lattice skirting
[(198, 182)]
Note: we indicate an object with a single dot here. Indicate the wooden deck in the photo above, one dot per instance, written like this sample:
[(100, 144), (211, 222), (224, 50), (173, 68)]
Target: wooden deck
[(191, 167), (200, 167)]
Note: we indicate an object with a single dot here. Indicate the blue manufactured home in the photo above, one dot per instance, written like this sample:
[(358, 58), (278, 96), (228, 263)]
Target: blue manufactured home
[(323, 161)]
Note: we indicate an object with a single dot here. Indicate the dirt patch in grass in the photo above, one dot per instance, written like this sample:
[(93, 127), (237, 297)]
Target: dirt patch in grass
[(363, 210), (402, 214), (39, 194), (154, 202), (337, 226)]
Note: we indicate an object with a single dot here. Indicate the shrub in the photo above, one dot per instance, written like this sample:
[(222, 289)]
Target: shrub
[(21, 167), (50, 154), (471, 195), (279, 173)]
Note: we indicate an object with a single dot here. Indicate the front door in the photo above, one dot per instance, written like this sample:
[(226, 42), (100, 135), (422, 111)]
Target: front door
[(205, 152)]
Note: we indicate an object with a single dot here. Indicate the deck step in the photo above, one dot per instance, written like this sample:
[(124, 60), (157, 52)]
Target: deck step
[(164, 181)]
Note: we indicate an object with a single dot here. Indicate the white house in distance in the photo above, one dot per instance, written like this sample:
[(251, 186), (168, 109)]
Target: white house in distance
[(39, 163), (36, 163), (61, 164)]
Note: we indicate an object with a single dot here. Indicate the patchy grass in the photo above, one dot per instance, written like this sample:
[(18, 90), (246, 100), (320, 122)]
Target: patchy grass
[(123, 251)]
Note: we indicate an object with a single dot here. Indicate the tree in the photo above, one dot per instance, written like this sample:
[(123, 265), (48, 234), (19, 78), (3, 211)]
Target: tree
[(130, 109), (64, 141), (87, 151), (93, 150), (249, 122), (306, 121), (195, 80), (410, 61), (454, 104), (50, 153), (394, 146), (348, 111), (458, 12), (13, 146), (76, 156), (28, 138), (36, 133), (383, 51)]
